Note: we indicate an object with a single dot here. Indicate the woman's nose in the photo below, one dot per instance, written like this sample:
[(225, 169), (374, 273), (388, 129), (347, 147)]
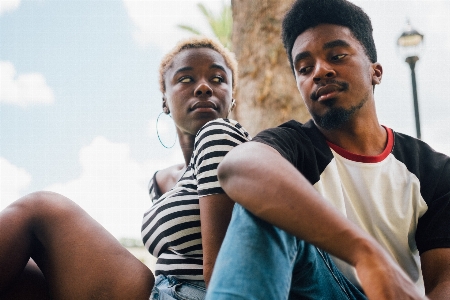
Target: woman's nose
[(203, 89)]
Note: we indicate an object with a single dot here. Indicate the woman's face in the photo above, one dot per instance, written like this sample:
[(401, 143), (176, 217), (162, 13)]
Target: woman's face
[(198, 89)]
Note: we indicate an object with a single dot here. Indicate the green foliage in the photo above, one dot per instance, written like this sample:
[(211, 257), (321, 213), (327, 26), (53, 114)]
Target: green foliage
[(221, 24)]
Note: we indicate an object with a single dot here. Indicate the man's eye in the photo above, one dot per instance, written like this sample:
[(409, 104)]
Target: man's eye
[(304, 70), (218, 79), (185, 79)]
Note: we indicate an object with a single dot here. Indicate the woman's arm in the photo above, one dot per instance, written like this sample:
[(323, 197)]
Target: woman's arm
[(213, 141), (215, 215)]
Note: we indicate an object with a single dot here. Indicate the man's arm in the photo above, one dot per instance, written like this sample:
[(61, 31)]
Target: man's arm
[(436, 273), (261, 180)]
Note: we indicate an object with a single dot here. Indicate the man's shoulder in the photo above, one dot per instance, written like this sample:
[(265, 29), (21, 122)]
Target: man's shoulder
[(421, 159), (295, 139), (408, 145), (292, 127)]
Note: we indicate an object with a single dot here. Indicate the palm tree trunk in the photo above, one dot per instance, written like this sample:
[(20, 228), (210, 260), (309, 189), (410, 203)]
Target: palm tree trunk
[(267, 94)]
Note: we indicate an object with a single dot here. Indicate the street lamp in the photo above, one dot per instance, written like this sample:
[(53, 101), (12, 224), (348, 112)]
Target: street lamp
[(410, 42)]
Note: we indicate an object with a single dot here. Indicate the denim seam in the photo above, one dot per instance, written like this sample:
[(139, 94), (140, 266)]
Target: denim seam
[(332, 273), (293, 255)]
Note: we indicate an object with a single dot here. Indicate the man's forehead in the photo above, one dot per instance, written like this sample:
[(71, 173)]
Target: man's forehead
[(321, 35)]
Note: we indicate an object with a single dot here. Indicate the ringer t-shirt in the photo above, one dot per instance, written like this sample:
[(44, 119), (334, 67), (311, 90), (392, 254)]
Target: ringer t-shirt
[(401, 197), (171, 226)]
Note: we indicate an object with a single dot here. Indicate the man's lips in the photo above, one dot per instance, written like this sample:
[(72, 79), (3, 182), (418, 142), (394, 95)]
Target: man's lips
[(328, 90), (200, 105)]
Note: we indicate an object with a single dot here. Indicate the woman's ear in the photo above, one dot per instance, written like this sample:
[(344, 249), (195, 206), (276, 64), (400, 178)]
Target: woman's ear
[(164, 105), (232, 106), (377, 73)]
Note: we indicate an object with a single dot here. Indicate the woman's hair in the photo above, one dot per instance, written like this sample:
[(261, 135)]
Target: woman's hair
[(305, 14), (196, 42)]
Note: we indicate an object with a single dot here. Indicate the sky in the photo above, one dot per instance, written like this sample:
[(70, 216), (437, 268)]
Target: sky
[(79, 95)]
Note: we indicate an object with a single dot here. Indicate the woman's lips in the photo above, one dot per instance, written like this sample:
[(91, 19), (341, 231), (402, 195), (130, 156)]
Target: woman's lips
[(204, 106)]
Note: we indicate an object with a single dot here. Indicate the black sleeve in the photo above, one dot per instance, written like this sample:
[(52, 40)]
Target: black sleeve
[(302, 145), (433, 171), (433, 230)]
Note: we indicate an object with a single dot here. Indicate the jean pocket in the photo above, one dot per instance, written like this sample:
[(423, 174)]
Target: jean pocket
[(188, 291)]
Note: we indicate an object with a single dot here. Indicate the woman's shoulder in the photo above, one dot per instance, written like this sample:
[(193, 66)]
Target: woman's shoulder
[(166, 179), (222, 127)]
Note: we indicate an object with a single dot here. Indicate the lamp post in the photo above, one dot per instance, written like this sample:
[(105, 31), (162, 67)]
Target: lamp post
[(410, 41)]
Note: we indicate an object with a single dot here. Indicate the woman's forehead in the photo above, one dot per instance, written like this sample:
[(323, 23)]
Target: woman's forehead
[(195, 56)]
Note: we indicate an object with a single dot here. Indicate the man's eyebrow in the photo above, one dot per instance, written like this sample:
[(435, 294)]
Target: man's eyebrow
[(300, 56), (335, 43)]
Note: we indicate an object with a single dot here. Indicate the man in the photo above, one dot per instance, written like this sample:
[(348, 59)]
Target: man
[(376, 200)]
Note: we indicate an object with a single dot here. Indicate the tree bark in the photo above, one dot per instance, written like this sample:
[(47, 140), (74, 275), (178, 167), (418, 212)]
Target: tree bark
[(266, 94)]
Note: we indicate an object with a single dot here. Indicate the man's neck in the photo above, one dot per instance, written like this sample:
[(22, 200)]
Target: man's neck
[(361, 137)]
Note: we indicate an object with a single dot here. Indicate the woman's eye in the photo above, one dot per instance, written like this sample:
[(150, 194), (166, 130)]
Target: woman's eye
[(218, 79), (185, 79), (339, 56)]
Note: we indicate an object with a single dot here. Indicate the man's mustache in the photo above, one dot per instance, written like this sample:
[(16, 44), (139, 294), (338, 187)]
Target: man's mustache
[(343, 86)]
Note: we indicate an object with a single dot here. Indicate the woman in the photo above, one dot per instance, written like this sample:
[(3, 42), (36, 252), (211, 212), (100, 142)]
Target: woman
[(196, 79), (78, 259)]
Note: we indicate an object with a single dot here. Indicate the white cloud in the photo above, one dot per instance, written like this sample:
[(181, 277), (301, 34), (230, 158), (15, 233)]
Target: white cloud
[(112, 186), (156, 20), (24, 89), (8, 5), (12, 181)]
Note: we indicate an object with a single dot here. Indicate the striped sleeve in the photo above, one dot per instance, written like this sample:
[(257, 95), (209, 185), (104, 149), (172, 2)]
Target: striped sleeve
[(215, 139)]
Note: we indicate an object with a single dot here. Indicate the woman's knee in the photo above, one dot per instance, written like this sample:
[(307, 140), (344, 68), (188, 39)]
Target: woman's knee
[(43, 203)]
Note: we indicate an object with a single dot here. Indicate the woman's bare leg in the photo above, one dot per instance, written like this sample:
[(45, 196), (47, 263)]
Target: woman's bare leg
[(31, 285), (78, 257)]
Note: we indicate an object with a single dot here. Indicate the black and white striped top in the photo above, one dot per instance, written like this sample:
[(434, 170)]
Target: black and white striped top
[(171, 226)]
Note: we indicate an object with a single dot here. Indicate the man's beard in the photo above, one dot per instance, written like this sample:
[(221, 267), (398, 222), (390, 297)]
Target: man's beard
[(337, 116)]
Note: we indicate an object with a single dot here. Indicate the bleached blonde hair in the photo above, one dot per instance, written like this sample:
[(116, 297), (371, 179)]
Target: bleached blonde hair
[(193, 43)]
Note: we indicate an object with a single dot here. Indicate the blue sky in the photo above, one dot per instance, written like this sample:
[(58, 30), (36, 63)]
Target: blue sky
[(79, 95)]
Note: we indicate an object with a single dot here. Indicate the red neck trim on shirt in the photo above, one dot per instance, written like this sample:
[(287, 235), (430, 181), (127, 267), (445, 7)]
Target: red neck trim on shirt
[(363, 158)]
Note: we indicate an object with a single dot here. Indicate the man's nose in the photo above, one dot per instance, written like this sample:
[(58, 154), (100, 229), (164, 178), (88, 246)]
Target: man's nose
[(322, 71)]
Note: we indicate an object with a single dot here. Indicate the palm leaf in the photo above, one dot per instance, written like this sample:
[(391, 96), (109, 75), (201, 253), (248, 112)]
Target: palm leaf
[(221, 25)]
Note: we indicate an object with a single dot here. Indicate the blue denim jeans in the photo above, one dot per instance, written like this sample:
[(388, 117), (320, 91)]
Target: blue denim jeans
[(260, 261), (171, 288)]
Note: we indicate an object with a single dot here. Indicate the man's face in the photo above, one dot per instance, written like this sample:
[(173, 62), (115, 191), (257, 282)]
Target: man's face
[(334, 75)]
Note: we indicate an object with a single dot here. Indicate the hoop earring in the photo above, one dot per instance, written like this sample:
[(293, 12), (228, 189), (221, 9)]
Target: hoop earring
[(157, 133)]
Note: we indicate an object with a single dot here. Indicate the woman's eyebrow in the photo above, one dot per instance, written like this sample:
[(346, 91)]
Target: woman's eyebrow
[(216, 66), (183, 69)]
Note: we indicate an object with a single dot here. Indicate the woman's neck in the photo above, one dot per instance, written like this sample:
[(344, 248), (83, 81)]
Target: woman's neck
[(187, 146)]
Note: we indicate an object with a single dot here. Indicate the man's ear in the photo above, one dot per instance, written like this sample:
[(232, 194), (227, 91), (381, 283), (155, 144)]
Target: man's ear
[(164, 105), (377, 73)]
